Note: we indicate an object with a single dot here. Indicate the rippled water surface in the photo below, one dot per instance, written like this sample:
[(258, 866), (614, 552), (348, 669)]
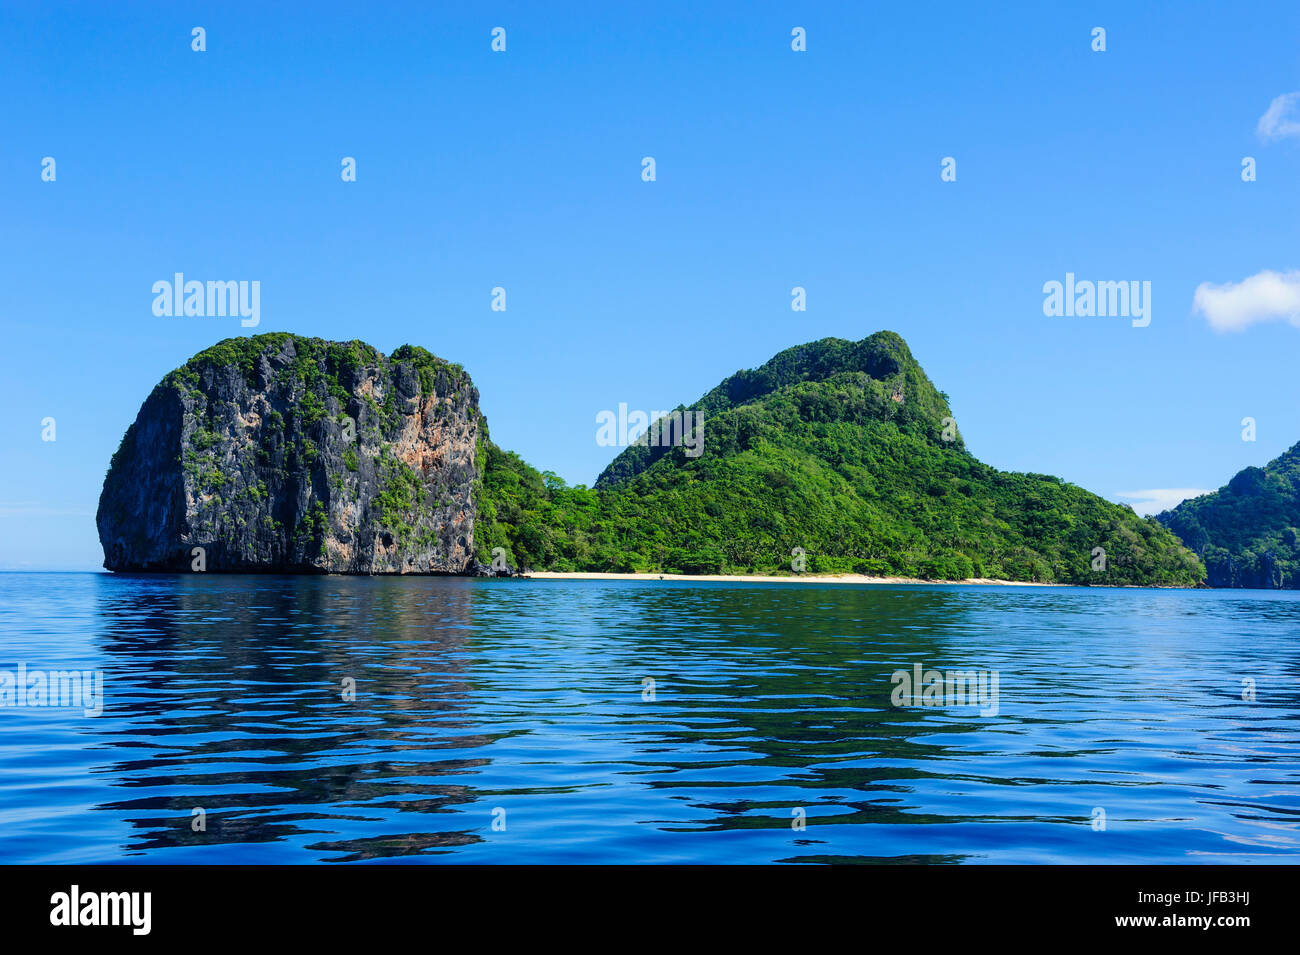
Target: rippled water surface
[(509, 721)]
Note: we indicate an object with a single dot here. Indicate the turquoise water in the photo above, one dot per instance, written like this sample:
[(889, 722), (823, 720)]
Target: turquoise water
[(524, 704)]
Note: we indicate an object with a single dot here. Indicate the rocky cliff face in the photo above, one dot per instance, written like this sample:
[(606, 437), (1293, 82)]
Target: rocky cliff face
[(280, 453)]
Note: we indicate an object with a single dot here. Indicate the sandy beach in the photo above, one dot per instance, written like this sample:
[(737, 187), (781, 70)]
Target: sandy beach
[(790, 579)]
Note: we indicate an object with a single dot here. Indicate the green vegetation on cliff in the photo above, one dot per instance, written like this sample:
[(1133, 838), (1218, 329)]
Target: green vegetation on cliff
[(290, 453), (1247, 532), (842, 449)]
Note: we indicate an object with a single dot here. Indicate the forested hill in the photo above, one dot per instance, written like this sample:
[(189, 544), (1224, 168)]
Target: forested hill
[(840, 457), (1246, 532), (900, 390)]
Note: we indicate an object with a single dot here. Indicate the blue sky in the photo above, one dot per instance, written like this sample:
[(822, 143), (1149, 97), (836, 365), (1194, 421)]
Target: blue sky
[(775, 169)]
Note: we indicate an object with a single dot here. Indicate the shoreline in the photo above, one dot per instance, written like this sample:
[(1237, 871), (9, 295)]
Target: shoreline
[(792, 578)]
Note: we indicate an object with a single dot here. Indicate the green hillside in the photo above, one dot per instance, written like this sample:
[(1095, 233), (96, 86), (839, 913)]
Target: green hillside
[(1246, 532), (843, 449)]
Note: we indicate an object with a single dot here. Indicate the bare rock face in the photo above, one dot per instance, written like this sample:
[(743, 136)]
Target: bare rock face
[(285, 454)]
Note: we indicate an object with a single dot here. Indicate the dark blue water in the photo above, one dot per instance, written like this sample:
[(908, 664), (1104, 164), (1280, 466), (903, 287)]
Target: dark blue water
[(524, 703)]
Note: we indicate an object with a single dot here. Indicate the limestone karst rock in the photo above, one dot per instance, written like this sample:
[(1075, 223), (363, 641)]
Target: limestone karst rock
[(281, 453)]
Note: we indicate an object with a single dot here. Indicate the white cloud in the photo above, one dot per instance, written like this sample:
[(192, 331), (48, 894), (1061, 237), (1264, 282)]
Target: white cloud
[(1278, 121), (1263, 297), (1155, 500)]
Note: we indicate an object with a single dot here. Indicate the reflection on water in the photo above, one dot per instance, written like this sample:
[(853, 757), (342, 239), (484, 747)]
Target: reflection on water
[(511, 721)]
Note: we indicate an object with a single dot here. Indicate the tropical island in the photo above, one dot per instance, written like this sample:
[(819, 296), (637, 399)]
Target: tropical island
[(288, 454), (1248, 531)]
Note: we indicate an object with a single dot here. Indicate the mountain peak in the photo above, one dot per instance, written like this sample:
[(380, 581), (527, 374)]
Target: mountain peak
[(818, 376)]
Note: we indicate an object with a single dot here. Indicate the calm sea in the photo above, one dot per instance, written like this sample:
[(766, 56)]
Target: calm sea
[(316, 719)]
